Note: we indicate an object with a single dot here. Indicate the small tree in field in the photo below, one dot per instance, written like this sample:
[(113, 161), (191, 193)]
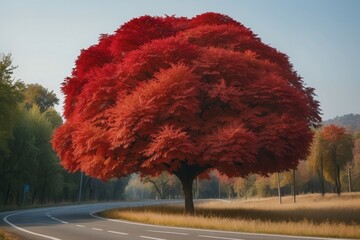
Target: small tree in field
[(331, 151), (184, 96)]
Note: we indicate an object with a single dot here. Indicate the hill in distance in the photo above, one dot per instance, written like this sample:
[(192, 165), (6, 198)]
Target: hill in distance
[(349, 121)]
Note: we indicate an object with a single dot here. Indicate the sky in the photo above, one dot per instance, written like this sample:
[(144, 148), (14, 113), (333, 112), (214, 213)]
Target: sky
[(321, 37)]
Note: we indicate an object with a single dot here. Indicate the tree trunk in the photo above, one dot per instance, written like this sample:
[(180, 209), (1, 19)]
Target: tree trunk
[(18, 198), (7, 194), (219, 192), (159, 191), (43, 192), (197, 187), (34, 196), (338, 181), (245, 191), (294, 184), (321, 177), (279, 190), (186, 174), (349, 179), (188, 195)]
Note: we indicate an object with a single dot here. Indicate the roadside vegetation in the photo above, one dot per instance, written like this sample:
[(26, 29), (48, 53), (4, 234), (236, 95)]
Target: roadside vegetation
[(311, 215), (7, 236), (30, 173)]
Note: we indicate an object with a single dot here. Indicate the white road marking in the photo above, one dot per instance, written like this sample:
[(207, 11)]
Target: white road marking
[(120, 233), (176, 233), (225, 238), (56, 219), (27, 231), (152, 238), (80, 226), (97, 229)]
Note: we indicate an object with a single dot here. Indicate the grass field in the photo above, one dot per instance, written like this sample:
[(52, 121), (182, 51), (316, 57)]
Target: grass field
[(7, 236), (312, 215)]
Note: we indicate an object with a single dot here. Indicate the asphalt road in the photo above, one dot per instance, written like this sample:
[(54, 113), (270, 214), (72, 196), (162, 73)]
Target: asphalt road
[(78, 222)]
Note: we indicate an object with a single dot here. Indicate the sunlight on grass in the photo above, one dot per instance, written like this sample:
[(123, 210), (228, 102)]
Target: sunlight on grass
[(312, 215)]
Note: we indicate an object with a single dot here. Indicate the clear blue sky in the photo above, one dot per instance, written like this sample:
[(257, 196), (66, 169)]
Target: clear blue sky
[(321, 37)]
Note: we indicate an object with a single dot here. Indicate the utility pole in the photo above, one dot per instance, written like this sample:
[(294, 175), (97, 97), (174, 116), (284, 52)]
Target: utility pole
[(294, 188), (80, 190), (219, 189), (349, 179)]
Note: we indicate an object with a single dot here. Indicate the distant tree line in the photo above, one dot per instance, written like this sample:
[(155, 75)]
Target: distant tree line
[(333, 166), (30, 172)]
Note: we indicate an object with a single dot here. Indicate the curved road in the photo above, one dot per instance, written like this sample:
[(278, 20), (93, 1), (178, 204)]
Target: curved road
[(77, 222)]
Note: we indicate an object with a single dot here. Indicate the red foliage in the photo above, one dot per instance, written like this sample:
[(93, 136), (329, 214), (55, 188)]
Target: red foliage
[(184, 95), (333, 133)]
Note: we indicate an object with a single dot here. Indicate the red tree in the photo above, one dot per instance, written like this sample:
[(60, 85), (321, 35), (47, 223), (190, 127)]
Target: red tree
[(184, 96)]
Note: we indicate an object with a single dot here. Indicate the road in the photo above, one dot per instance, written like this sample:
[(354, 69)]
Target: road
[(77, 222)]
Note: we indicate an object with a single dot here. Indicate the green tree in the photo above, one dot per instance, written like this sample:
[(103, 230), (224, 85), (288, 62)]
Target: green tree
[(37, 94), (10, 96), (31, 159), (164, 184), (48, 182), (53, 117), (137, 189), (26, 155), (209, 187), (118, 187), (18, 166)]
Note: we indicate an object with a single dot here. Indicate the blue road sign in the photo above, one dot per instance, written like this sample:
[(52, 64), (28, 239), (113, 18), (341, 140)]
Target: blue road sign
[(26, 187)]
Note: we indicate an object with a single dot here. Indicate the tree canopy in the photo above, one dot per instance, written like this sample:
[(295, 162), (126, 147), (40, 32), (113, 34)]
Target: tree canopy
[(10, 96), (331, 151), (184, 96), (37, 94)]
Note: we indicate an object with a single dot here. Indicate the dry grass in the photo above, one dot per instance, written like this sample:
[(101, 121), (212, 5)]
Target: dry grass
[(7, 236), (312, 215)]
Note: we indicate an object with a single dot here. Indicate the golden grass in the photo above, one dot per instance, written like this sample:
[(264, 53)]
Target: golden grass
[(312, 215), (7, 236)]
